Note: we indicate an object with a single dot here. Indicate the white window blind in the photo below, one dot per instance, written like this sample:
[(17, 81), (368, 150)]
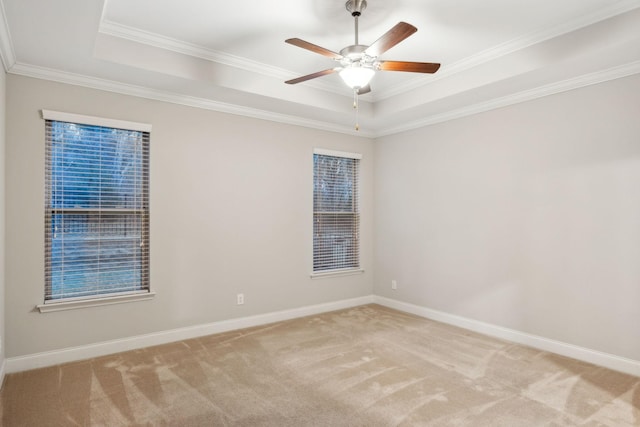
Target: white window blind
[(96, 210), (336, 212)]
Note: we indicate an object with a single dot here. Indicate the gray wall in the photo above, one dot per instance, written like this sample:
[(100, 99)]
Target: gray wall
[(2, 210), (526, 217), (231, 212)]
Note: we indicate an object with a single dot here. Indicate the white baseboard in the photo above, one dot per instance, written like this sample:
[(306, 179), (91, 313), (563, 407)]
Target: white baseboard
[(50, 358), (2, 372), (606, 360)]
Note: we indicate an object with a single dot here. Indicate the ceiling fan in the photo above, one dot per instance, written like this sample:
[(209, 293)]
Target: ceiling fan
[(358, 63)]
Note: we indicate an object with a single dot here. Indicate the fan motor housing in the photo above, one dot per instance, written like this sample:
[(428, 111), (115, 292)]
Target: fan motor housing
[(353, 51)]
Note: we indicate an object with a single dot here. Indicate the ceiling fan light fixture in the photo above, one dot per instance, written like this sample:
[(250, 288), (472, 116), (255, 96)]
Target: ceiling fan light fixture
[(357, 77)]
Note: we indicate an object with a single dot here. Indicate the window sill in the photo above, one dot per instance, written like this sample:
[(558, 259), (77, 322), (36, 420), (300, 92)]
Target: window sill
[(93, 302), (336, 273)]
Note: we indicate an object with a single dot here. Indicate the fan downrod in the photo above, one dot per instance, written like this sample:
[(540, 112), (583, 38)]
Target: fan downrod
[(356, 7)]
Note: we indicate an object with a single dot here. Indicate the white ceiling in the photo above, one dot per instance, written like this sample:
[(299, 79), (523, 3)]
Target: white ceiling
[(231, 56)]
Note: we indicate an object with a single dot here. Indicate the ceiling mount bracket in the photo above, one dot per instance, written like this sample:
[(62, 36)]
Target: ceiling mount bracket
[(355, 7)]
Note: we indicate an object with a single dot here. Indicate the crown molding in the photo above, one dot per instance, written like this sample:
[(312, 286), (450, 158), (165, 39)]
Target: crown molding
[(167, 43), (7, 54), (508, 47), (516, 98), (207, 104), (174, 45), (173, 98), (163, 42)]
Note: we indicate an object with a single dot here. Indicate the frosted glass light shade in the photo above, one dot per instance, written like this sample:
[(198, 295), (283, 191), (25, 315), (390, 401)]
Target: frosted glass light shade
[(357, 77)]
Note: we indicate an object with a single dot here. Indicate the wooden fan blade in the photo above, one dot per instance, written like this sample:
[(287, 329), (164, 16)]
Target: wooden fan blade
[(311, 76), (364, 90), (401, 31), (412, 67), (314, 48)]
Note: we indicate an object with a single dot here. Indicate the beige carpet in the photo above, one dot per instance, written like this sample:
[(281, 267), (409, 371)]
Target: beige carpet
[(366, 366)]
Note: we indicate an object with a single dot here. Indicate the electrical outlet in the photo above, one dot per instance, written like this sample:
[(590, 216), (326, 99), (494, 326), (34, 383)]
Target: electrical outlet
[(394, 285), (240, 299)]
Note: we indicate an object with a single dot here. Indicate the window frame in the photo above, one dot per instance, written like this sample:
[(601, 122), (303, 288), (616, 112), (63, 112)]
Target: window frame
[(325, 273), (66, 303)]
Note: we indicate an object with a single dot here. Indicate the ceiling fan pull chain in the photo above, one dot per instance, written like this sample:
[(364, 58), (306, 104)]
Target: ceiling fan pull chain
[(355, 106)]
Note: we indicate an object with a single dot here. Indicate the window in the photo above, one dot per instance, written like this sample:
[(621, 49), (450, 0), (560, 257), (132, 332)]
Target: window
[(96, 208), (336, 213)]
